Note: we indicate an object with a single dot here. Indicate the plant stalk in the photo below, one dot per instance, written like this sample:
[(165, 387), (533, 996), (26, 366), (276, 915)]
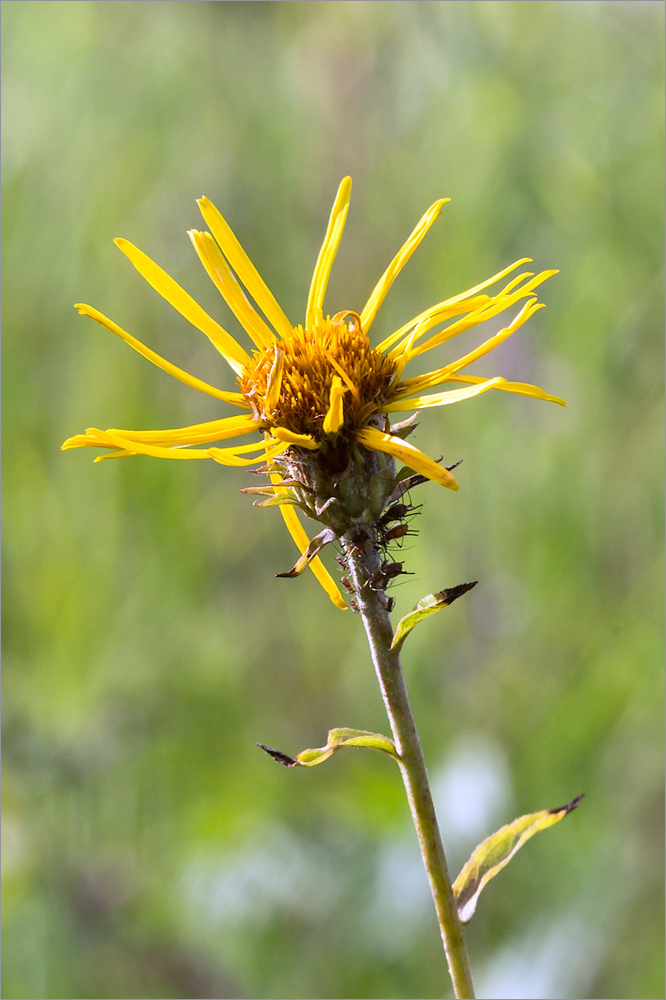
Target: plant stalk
[(372, 606)]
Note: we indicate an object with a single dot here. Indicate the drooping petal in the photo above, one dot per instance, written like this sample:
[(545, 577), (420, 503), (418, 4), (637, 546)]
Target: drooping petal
[(300, 536), (520, 388), (176, 296), (406, 453), (329, 249), (229, 287), (229, 456), (335, 415), (244, 267), (393, 270), (441, 398), (289, 437), (236, 398)]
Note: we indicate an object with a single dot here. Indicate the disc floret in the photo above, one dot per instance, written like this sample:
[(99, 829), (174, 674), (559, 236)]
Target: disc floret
[(294, 383)]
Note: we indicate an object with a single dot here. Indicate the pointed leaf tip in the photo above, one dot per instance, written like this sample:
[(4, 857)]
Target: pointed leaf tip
[(569, 806), (277, 755)]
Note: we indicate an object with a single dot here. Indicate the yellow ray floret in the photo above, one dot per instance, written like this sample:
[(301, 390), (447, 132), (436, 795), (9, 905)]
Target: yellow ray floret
[(227, 284), (179, 437), (408, 387), (117, 439), (520, 388), (393, 270), (176, 296), (329, 249), (244, 267), (335, 415), (464, 302), (230, 456), (406, 453), (440, 398), (236, 398), (290, 437)]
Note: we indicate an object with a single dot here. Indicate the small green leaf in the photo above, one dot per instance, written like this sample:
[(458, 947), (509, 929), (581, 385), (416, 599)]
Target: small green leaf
[(427, 606), (496, 851), (347, 738), (336, 738), (361, 738)]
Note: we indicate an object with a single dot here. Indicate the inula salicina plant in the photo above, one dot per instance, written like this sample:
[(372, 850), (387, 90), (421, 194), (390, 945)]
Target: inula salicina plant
[(328, 416)]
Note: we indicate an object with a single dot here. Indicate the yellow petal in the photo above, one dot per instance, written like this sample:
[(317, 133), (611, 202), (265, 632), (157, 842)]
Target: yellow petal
[(343, 375), (530, 307), (520, 388), (464, 302), (117, 439), (227, 284), (229, 456), (493, 308), (299, 535), (335, 415), (441, 398), (81, 441), (213, 430), (289, 437), (274, 383), (393, 270), (329, 248), (244, 267), (407, 454), (236, 398), (431, 317), (176, 296)]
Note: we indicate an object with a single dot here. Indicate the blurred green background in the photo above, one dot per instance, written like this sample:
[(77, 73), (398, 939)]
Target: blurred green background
[(150, 849)]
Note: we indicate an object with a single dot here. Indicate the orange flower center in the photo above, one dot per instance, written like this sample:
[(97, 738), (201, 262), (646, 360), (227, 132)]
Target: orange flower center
[(289, 385)]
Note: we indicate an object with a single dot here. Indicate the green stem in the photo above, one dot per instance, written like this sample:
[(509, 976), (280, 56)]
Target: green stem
[(372, 606)]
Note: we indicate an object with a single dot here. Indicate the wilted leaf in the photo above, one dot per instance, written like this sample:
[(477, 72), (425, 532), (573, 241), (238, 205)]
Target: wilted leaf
[(427, 606), (324, 537), (494, 853), (336, 738)]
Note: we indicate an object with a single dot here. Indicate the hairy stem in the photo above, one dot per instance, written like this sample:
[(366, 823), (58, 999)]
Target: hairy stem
[(372, 606)]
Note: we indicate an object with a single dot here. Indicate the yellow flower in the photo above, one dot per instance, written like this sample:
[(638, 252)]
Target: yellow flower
[(317, 392)]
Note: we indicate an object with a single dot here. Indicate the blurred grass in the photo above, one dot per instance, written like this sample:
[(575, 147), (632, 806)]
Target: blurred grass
[(150, 849)]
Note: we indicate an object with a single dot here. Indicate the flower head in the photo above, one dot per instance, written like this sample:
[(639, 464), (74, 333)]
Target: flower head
[(320, 396)]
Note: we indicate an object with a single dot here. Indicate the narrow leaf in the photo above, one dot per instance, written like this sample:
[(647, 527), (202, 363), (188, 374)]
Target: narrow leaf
[(427, 606), (496, 851), (336, 738)]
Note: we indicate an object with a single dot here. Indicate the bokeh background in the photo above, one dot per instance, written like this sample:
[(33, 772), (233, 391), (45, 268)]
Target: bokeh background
[(150, 849)]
